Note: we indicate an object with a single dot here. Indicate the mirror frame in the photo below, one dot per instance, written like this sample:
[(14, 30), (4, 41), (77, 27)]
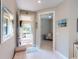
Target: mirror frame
[(8, 12)]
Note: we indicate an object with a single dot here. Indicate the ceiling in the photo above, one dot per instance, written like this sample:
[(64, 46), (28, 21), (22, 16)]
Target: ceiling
[(33, 5)]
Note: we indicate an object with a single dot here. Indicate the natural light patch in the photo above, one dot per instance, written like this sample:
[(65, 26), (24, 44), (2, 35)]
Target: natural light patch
[(26, 34)]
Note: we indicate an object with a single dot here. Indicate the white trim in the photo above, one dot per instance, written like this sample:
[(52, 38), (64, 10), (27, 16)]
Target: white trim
[(61, 55), (39, 22), (41, 13)]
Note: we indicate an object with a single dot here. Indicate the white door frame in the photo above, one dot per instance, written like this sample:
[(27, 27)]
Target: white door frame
[(39, 28)]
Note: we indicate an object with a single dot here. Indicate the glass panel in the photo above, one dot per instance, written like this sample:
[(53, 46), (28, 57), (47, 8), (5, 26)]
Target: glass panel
[(27, 28), (7, 25)]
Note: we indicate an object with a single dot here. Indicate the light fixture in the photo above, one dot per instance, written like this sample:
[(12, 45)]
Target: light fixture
[(50, 17), (39, 1)]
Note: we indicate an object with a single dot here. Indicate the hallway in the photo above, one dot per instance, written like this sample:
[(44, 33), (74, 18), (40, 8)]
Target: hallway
[(62, 29), (45, 52)]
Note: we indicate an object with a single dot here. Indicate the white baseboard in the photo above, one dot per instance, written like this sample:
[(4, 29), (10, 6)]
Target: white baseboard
[(61, 55)]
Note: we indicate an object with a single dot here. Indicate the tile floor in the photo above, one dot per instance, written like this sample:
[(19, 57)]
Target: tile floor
[(45, 52)]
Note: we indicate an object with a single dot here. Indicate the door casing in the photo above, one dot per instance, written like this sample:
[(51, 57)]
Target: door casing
[(38, 32)]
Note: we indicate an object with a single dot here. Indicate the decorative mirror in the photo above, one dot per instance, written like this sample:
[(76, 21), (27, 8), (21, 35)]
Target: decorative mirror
[(6, 24)]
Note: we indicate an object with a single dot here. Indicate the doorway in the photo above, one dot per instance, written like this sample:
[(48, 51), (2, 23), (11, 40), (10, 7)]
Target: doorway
[(26, 35), (26, 31), (46, 31), (51, 33)]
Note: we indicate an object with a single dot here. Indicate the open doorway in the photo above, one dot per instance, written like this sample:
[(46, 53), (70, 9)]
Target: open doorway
[(51, 33), (26, 35), (26, 31), (47, 31)]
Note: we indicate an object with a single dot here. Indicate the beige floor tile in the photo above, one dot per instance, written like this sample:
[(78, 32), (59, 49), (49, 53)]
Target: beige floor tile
[(45, 52)]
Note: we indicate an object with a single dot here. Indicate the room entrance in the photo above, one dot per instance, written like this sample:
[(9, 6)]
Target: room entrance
[(26, 35), (47, 31), (26, 31)]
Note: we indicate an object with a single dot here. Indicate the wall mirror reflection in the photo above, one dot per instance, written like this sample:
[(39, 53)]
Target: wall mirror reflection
[(7, 24)]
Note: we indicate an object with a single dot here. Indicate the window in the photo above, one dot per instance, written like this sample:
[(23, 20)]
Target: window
[(7, 25), (27, 28)]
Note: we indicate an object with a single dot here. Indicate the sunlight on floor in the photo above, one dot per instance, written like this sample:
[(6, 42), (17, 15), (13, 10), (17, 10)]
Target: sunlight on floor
[(45, 52)]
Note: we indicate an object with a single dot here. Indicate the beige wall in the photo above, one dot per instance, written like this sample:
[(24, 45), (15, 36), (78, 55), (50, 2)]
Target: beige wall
[(62, 33), (65, 36), (73, 25), (7, 48)]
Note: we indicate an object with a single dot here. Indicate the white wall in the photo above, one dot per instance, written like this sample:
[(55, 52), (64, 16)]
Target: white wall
[(7, 48), (44, 26), (65, 36), (64, 43), (62, 33), (73, 25)]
